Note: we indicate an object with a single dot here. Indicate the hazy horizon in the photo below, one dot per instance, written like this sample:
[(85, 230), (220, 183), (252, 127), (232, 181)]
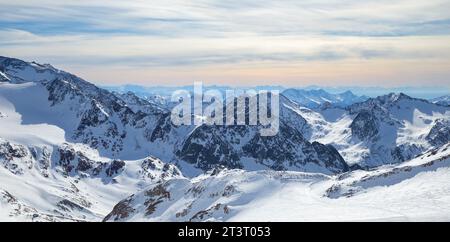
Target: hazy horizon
[(370, 91), (238, 43)]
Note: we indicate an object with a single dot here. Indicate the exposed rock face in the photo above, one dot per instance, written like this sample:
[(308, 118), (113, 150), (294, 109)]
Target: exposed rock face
[(439, 133), (213, 197), (380, 123), (429, 161), (162, 129), (120, 211), (3, 77), (365, 125), (405, 152), (153, 197), (22, 211), (76, 163), (102, 116), (115, 124), (330, 157), (149, 203), (155, 169), (208, 147), (62, 168), (18, 71), (115, 167), (10, 151), (239, 146), (138, 104), (212, 146), (444, 100), (101, 119)]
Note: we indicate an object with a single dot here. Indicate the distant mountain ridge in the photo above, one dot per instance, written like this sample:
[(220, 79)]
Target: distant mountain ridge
[(443, 100), (124, 125), (320, 98), (71, 151), (128, 127)]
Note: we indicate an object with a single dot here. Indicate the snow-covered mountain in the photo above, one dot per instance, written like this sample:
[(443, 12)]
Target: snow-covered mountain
[(396, 127), (70, 182), (128, 127), (71, 151), (319, 97), (444, 100), (243, 146), (383, 130), (86, 113), (416, 190)]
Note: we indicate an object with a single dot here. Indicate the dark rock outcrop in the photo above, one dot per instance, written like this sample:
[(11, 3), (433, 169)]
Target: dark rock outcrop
[(364, 126), (439, 133)]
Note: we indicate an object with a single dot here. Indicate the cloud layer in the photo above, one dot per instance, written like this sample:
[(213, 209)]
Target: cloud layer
[(295, 43)]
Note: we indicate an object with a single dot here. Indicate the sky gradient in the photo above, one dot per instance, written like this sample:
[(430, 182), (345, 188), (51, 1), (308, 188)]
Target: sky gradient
[(235, 42)]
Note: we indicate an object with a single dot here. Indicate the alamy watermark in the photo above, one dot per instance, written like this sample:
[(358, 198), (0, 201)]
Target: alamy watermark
[(240, 107)]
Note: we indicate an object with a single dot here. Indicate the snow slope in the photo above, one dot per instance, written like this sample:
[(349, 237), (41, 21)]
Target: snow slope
[(417, 190), (69, 182), (124, 126), (387, 129), (27, 116), (444, 100), (70, 151)]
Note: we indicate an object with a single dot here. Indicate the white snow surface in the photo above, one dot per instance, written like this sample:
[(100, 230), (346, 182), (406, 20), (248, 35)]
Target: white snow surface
[(27, 115), (417, 190), (409, 122), (444, 100), (30, 191), (32, 132)]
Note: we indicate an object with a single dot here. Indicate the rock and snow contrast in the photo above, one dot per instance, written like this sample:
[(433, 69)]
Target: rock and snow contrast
[(415, 190), (318, 98), (444, 100), (71, 151)]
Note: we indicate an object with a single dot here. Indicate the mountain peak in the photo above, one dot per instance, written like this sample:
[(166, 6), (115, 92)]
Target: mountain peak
[(398, 96), (443, 100), (19, 71), (348, 94), (318, 97)]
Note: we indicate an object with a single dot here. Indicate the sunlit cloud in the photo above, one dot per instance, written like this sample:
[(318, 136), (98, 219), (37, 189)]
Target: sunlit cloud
[(287, 42)]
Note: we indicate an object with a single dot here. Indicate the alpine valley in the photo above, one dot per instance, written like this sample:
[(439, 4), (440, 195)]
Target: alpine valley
[(72, 151)]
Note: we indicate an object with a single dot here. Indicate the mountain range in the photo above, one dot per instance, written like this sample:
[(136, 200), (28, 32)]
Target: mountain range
[(70, 150), (443, 100)]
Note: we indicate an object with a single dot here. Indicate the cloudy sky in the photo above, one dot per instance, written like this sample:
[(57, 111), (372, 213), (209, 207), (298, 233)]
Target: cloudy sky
[(235, 42)]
